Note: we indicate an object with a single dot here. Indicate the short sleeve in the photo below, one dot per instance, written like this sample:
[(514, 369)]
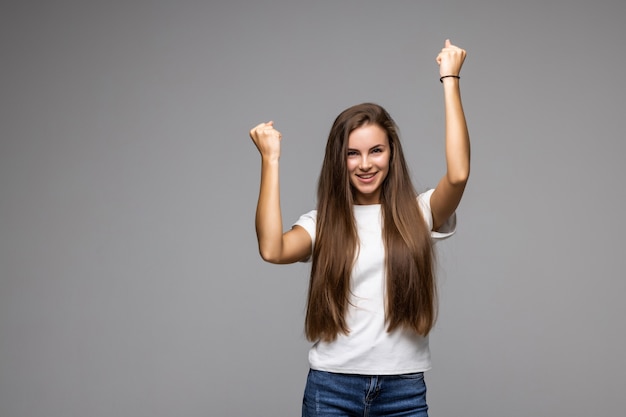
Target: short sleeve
[(308, 221), (447, 229)]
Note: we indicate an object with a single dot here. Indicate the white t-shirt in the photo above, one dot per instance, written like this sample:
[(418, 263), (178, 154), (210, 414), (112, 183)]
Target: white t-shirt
[(369, 349)]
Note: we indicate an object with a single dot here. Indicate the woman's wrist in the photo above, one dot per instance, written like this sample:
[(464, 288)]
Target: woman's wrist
[(270, 159), (449, 77)]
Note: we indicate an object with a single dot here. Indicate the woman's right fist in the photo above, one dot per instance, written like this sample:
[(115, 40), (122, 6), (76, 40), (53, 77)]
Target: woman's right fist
[(267, 139)]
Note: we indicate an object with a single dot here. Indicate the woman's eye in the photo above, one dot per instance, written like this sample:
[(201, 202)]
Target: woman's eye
[(351, 153), (376, 150)]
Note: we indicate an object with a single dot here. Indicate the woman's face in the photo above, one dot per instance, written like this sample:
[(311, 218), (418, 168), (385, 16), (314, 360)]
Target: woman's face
[(368, 162)]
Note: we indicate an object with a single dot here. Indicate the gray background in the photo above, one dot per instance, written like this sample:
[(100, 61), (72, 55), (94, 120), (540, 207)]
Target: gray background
[(130, 283)]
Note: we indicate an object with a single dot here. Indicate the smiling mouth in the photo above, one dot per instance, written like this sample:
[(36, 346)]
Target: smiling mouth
[(366, 177)]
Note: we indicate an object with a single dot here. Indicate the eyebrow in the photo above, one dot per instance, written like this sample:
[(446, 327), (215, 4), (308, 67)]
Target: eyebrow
[(382, 145)]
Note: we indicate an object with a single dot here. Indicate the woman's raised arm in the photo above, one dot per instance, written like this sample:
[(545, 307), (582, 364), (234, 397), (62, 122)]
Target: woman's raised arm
[(274, 245), (447, 195)]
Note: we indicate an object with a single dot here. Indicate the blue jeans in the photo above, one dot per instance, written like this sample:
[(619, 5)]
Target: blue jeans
[(331, 394)]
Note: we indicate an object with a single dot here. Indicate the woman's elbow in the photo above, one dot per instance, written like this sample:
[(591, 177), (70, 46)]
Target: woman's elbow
[(270, 255), (459, 178)]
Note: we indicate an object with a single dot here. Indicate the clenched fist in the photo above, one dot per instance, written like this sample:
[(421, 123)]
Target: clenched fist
[(450, 59), (267, 140)]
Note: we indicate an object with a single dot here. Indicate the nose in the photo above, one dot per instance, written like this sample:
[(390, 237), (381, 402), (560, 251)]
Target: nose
[(365, 163)]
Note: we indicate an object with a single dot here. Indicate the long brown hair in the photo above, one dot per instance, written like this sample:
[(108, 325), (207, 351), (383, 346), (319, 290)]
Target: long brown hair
[(409, 257)]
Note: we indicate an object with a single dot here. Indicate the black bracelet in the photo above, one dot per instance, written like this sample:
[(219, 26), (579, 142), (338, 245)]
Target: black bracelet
[(449, 76)]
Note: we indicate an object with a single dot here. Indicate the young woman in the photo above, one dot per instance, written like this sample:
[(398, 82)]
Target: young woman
[(372, 290)]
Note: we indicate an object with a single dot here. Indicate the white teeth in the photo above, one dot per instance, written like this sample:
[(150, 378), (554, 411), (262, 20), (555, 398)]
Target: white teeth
[(367, 176)]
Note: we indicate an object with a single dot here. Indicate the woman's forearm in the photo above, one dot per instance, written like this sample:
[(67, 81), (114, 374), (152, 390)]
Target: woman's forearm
[(269, 223), (456, 134)]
